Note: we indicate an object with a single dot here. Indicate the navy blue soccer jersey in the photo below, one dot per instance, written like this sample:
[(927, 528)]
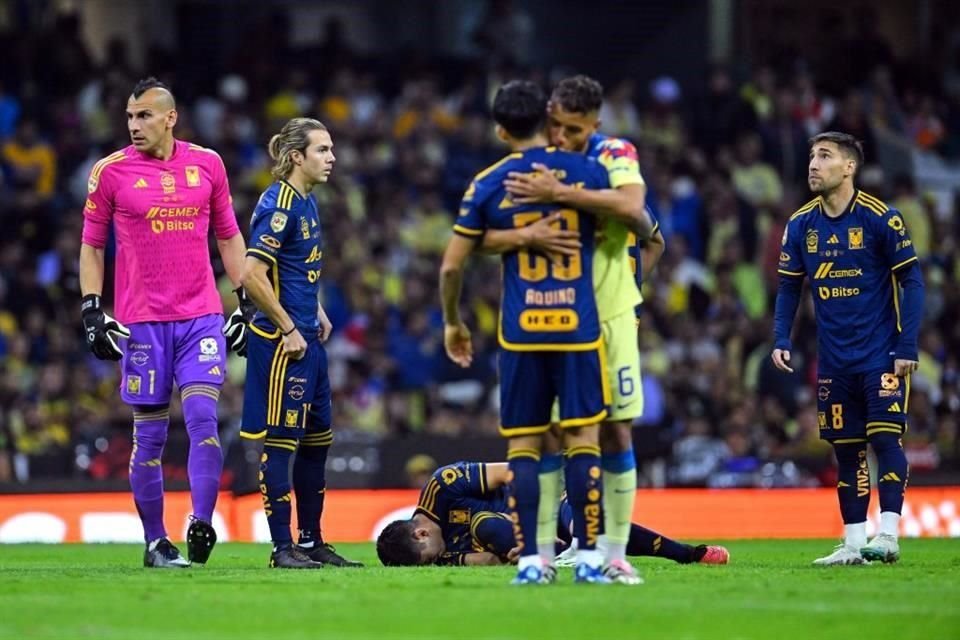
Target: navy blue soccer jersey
[(545, 306), (850, 262), (452, 496), (285, 234)]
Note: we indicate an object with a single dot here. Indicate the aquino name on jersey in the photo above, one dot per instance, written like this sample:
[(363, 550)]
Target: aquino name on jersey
[(546, 306), (851, 262), (285, 233)]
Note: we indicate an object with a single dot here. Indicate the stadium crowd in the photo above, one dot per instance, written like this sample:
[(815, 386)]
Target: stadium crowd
[(725, 165)]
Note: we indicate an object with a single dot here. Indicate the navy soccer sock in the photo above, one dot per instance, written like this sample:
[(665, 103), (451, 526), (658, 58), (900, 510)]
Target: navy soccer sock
[(309, 485)]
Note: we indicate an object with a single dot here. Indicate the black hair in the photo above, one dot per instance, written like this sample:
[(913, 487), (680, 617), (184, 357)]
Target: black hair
[(578, 94), (146, 84), (520, 107), (849, 145), (396, 546)]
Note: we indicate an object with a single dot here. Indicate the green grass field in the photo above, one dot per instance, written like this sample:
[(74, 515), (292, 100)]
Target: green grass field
[(768, 591)]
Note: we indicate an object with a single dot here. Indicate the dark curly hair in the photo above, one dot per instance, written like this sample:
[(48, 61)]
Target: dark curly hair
[(578, 94), (396, 546)]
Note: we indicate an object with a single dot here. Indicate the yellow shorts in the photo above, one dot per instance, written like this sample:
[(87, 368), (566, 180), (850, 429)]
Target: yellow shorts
[(622, 368)]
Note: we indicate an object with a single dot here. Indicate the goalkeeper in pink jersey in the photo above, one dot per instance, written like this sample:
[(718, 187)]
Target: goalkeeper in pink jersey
[(161, 196)]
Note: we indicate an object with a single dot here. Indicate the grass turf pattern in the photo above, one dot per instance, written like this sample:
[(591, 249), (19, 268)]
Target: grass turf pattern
[(769, 590)]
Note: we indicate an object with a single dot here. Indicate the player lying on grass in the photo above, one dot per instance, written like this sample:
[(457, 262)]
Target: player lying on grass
[(460, 520)]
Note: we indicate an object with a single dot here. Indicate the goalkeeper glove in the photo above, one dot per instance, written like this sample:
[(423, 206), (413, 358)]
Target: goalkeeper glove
[(235, 328), (102, 331)]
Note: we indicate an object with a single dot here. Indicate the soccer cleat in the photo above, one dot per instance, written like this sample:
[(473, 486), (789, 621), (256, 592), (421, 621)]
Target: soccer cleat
[(292, 558), (622, 572), (585, 574), (567, 557), (161, 554), (326, 554), (711, 554), (842, 554), (884, 548), (530, 575), (549, 574), (200, 540)]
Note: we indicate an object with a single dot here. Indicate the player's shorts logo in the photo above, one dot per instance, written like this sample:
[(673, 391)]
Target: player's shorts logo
[(133, 385), (209, 351), (784, 256), (813, 240), (889, 381), (139, 358), (278, 222)]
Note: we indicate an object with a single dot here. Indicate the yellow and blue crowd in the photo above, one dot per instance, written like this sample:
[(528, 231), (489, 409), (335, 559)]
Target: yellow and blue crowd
[(725, 164)]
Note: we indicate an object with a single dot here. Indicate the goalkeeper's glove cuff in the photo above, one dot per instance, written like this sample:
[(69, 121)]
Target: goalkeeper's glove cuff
[(90, 303)]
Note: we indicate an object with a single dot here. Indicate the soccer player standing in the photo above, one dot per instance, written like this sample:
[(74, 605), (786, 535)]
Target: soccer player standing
[(857, 255), (161, 196), (549, 333), (572, 124), (287, 391)]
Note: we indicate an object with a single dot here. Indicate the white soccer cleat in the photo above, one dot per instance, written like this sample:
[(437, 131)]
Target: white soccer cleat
[(842, 554), (622, 572), (884, 548), (567, 557)]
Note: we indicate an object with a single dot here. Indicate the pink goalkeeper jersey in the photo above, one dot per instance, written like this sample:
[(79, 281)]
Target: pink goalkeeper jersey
[(161, 212)]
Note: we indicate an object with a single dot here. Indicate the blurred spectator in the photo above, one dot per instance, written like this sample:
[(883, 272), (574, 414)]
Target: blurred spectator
[(725, 166)]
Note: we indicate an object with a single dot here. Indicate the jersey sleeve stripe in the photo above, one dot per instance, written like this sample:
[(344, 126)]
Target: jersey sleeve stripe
[(488, 170), (483, 478), (869, 205), (900, 264), (806, 208), (465, 231), (262, 255), (896, 302), (784, 272), (103, 164)]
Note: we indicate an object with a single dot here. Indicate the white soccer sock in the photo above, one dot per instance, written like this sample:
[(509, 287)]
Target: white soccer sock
[(890, 523), (529, 561), (855, 535), (589, 557)]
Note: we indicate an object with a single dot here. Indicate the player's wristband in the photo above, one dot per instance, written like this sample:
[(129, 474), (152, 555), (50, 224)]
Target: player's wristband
[(286, 333), (90, 303)]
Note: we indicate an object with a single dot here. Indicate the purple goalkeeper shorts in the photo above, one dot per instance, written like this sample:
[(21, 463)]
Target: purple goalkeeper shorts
[(157, 354)]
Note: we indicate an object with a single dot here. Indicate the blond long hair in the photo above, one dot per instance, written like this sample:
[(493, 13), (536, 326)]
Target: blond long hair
[(294, 136)]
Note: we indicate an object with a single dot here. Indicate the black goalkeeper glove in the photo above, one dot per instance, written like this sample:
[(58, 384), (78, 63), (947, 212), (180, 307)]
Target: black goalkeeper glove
[(235, 328), (102, 331)]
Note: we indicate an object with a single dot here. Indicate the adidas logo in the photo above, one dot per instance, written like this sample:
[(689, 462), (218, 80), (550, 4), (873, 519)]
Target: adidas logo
[(894, 408), (214, 371), (506, 203), (140, 184), (833, 239), (890, 477)]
